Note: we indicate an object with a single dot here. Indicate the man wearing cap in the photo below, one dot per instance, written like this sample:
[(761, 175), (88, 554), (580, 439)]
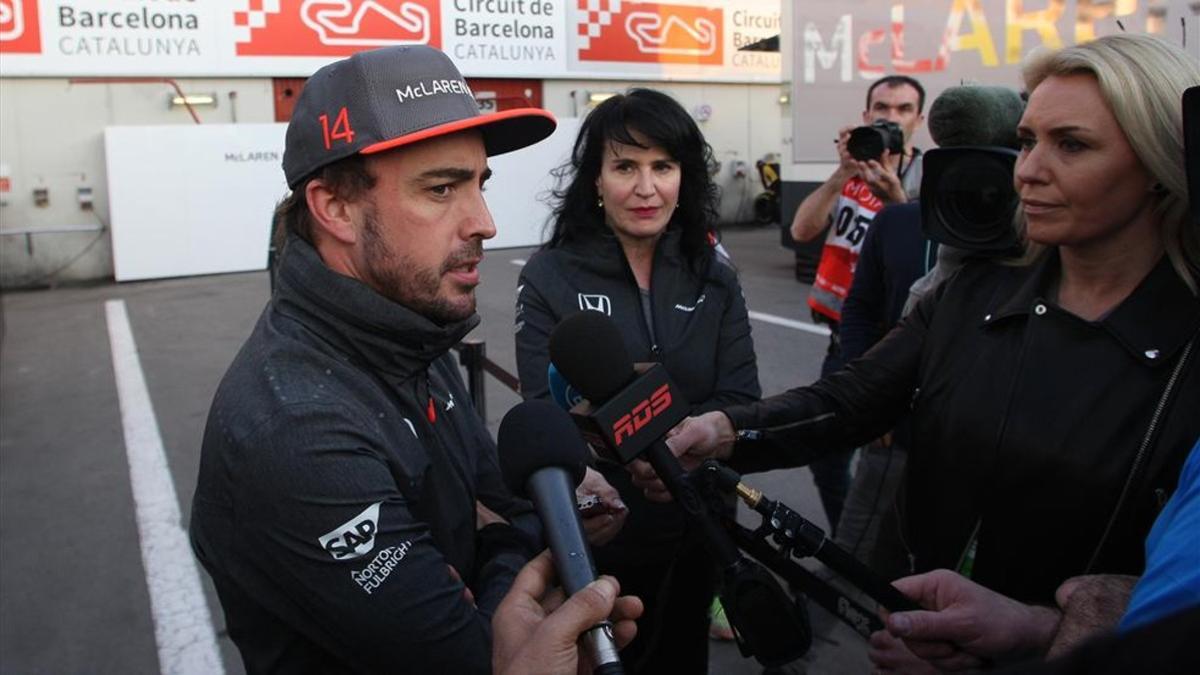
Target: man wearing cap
[(349, 505)]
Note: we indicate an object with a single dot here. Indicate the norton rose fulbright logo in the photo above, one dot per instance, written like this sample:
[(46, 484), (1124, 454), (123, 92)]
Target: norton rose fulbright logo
[(650, 32), (333, 27)]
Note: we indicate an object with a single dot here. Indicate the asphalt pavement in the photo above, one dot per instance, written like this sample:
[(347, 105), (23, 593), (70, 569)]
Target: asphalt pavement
[(97, 471)]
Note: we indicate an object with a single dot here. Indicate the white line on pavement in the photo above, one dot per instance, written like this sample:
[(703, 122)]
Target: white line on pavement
[(183, 627), (790, 323), (758, 316)]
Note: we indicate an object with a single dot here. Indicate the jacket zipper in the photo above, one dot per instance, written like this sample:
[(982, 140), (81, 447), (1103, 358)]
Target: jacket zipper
[(1141, 453)]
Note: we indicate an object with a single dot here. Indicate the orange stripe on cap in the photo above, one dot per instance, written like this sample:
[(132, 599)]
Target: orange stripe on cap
[(459, 125)]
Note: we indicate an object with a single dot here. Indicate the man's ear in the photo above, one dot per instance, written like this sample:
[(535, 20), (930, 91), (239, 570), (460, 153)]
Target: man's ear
[(331, 214)]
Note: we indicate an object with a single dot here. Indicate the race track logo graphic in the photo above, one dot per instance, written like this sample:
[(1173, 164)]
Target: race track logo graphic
[(333, 27), (19, 29), (648, 32)]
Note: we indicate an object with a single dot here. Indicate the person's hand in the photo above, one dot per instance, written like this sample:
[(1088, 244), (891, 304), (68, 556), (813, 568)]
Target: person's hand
[(882, 179), (692, 441), (485, 516), (965, 623), (1090, 605), (467, 594), (534, 632), (890, 655), (603, 525)]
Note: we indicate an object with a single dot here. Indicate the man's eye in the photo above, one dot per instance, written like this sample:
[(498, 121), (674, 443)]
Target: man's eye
[(441, 190), (1026, 143)]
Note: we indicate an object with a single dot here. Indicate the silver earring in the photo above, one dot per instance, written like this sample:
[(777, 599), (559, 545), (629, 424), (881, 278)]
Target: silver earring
[(600, 202)]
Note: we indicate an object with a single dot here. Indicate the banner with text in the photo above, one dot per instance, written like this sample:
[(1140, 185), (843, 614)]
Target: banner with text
[(840, 48), (697, 40)]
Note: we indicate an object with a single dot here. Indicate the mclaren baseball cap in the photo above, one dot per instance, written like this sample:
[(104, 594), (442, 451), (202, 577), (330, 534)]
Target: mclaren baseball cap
[(387, 98)]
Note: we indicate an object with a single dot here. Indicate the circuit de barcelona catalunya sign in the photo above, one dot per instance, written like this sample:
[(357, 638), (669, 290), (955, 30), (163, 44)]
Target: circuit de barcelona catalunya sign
[(676, 39)]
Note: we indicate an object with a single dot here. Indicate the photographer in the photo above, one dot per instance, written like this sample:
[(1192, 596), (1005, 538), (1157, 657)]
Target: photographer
[(1049, 397), (846, 204)]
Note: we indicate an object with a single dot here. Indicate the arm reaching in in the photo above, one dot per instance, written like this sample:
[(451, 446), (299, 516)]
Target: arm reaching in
[(967, 624), (1090, 605)]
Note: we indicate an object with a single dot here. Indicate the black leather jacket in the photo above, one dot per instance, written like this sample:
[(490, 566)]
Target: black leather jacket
[(338, 478), (1028, 422)]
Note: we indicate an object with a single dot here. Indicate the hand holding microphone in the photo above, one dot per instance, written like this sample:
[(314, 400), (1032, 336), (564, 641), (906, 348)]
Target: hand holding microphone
[(543, 458), (692, 441), (628, 411), (535, 629)]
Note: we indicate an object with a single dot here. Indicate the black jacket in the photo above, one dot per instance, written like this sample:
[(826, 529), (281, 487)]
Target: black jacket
[(701, 335), (894, 254), (338, 478), (1026, 422)]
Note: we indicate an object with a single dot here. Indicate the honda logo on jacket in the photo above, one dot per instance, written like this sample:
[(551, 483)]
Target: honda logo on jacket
[(595, 303)]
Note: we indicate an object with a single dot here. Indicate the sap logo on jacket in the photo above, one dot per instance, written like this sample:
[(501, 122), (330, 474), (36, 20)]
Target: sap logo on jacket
[(355, 537)]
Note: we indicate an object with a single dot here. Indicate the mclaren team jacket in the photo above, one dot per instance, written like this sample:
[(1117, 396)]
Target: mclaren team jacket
[(339, 474), (700, 332)]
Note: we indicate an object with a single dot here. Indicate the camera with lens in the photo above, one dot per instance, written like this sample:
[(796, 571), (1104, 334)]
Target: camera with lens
[(869, 142), (968, 200)]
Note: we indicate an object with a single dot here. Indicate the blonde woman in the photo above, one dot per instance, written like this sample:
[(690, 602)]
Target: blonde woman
[(1053, 403)]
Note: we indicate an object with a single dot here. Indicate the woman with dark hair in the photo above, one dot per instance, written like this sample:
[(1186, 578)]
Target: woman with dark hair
[(633, 237)]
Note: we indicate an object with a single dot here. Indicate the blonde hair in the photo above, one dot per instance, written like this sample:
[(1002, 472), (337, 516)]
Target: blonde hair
[(1142, 78)]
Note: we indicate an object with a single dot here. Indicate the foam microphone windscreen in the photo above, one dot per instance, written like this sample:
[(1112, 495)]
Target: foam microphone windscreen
[(975, 115), (536, 434), (589, 351)]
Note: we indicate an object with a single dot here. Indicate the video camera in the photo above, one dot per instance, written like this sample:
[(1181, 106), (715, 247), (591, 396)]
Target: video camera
[(968, 200), (870, 141)]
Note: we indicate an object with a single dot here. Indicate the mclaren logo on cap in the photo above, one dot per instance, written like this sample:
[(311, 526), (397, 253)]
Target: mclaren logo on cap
[(430, 87)]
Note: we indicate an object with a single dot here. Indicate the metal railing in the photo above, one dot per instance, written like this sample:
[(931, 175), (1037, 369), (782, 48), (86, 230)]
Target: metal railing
[(472, 355)]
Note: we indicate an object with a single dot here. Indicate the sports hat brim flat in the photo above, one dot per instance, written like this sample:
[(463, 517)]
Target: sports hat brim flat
[(502, 131)]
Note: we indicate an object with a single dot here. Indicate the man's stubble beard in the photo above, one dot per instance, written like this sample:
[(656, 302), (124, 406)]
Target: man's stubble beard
[(399, 279)]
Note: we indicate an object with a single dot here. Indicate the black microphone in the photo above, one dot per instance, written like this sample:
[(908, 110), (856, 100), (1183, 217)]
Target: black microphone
[(543, 458), (967, 196), (975, 115), (628, 412)]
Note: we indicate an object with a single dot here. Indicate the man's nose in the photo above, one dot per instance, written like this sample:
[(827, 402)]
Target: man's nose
[(478, 221)]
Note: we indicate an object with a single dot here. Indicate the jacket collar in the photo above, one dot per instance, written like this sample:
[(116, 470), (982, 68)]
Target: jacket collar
[(1153, 323), (354, 318)]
